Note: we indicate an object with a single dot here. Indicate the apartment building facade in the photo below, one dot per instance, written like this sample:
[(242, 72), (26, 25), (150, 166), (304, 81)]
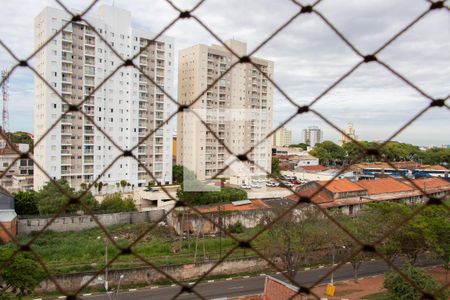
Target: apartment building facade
[(238, 108), (282, 137), (127, 106), (312, 135), (16, 173)]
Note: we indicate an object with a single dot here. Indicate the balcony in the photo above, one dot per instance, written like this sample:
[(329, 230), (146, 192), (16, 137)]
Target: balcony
[(142, 61), (66, 130), (90, 51), (66, 68), (66, 141), (89, 61), (89, 169), (67, 47), (66, 161), (66, 90), (159, 132), (88, 131), (88, 160), (65, 151), (88, 140), (89, 81), (65, 170), (89, 32), (66, 79), (88, 150), (90, 41), (66, 58), (143, 88), (67, 119), (67, 37)]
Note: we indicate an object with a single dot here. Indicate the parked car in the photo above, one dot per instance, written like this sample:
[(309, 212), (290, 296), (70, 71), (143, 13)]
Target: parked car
[(287, 183), (245, 186)]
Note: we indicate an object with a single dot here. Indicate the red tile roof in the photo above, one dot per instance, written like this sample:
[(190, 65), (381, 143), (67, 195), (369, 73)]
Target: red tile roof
[(321, 197), (275, 289), (434, 182), (256, 204), (384, 185), (317, 168), (341, 185)]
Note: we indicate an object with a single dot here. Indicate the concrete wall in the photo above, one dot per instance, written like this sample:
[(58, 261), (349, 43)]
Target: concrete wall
[(72, 282), (78, 223), (195, 223)]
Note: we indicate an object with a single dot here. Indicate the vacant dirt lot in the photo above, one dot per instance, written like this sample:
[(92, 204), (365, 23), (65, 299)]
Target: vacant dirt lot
[(371, 285)]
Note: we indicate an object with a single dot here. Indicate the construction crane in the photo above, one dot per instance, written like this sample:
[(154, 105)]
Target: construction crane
[(5, 92)]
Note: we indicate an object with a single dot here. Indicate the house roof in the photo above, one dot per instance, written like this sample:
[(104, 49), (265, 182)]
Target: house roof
[(275, 289), (434, 182), (320, 197), (432, 167), (255, 204), (7, 215), (317, 168), (384, 185), (410, 165), (341, 185)]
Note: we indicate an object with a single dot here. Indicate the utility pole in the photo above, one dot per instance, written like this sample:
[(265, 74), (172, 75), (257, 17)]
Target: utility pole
[(5, 93)]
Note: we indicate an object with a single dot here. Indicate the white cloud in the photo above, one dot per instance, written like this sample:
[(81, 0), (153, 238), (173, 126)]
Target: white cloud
[(308, 57)]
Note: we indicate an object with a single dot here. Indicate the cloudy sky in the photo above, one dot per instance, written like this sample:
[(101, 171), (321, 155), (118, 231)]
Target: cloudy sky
[(308, 58)]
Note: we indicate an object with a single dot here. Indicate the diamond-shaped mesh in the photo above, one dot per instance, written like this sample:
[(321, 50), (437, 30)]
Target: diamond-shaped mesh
[(189, 15)]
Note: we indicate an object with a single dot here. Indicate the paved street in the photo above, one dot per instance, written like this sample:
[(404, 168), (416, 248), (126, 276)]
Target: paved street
[(246, 286)]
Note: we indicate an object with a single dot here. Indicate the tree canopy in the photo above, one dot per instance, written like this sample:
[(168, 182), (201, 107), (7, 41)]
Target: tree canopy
[(399, 288), (21, 275), (330, 153), (50, 198)]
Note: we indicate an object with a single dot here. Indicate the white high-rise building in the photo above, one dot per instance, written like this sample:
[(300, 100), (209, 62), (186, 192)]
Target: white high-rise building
[(350, 134), (126, 107), (312, 135), (238, 107), (282, 137)]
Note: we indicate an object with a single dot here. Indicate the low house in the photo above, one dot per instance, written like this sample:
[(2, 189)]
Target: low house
[(246, 212), (8, 216), (398, 169), (351, 196), (155, 198)]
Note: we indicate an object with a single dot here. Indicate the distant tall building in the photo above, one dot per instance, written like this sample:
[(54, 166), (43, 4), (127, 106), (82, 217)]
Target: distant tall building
[(128, 106), (350, 132), (238, 108), (312, 135), (282, 137)]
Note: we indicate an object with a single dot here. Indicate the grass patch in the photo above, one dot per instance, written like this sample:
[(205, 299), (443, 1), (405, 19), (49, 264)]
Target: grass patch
[(377, 296), (68, 252)]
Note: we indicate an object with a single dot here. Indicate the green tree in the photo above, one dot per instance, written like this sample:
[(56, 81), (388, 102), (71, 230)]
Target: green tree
[(177, 174), (22, 275), (225, 194), (123, 183), (25, 202), (400, 289), (292, 238), (50, 199), (436, 233), (299, 145), (276, 167), (115, 203), (99, 187), (20, 137), (328, 153)]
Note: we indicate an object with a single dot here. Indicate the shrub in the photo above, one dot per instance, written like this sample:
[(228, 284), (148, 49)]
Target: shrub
[(236, 228), (115, 203), (399, 288)]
